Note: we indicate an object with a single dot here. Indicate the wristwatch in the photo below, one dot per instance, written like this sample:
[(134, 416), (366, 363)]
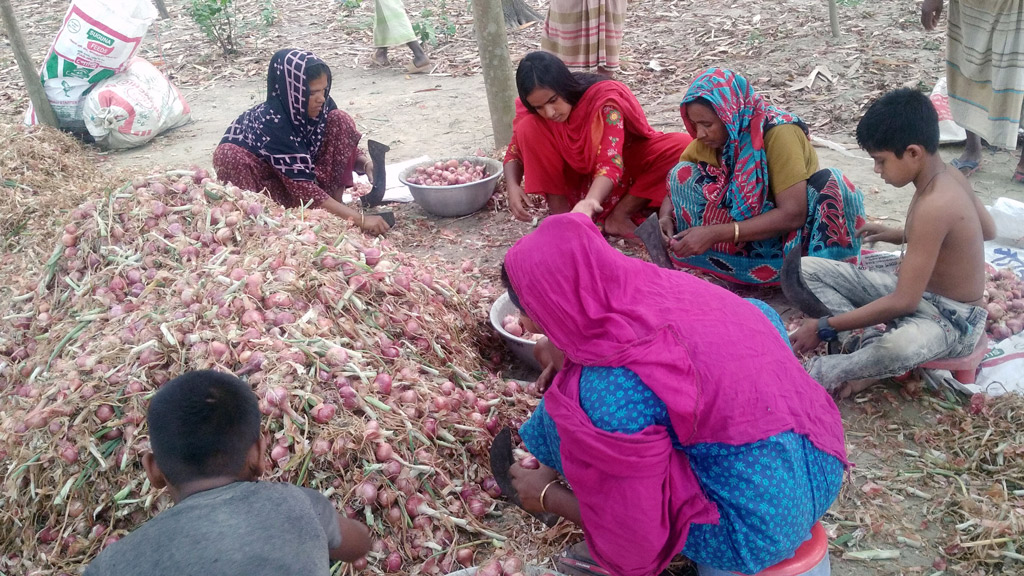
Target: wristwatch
[(826, 333)]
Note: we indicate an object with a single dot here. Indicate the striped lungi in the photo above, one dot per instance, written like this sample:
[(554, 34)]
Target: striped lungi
[(391, 26), (586, 34), (985, 68)]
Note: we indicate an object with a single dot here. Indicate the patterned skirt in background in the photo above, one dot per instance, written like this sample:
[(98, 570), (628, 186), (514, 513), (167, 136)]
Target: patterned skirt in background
[(585, 35), (391, 25), (835, 209), (985, 68)]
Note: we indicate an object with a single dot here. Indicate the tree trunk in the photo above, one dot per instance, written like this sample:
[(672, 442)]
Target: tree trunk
[(29, 72), (833, 17), (162, 8), (518, 12), (497, 68)]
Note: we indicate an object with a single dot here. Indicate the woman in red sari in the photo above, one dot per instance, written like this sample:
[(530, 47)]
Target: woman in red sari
[(583, 141)]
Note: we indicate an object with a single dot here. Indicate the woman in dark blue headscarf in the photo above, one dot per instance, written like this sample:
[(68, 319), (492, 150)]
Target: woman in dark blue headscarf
[(297, 146)]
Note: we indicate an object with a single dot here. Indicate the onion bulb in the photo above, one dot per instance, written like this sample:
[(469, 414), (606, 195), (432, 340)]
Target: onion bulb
[(464, 556), (366, 492), (384, 452)]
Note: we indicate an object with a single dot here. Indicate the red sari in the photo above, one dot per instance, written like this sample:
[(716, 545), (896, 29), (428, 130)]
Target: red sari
[(607, 134)]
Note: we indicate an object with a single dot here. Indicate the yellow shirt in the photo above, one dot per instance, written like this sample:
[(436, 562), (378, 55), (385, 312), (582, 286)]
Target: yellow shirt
[(791, 158)]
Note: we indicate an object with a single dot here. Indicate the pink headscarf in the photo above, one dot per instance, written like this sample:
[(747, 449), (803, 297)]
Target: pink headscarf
[(716, 362)]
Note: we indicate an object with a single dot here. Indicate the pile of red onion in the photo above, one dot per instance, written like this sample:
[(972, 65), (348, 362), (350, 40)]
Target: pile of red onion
[(360, 189), (500, 565), (1004, 294), (365, 361)]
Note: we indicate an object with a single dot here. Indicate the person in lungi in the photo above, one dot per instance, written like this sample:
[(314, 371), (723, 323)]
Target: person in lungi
[(585, 35), (984, 73)]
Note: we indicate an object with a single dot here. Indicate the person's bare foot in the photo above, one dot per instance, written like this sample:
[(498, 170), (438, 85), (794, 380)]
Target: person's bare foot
[(855, 386), (421, 61), (380, 57), (621, 227), (1018, 172), (419, 58), (576, 561)]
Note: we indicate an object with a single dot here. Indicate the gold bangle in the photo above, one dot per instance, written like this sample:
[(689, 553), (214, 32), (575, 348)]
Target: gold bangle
[(545, 491), (735, 232)]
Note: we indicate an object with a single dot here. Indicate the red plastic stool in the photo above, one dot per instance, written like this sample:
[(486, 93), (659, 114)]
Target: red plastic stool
[(964, 368), (810, 558)]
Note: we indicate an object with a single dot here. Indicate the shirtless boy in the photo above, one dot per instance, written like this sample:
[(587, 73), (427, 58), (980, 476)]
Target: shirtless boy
[(932, 308)]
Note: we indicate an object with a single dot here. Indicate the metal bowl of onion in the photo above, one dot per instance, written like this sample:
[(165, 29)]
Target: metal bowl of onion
[(505, 315), (453, 187)]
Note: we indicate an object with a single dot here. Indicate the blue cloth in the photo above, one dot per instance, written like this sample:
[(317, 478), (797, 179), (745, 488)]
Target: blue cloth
[(769, 493), (772, 317)]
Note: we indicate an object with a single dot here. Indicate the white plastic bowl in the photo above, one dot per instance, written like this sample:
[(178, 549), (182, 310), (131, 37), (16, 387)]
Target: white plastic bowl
[(458, 199), (521, 347)]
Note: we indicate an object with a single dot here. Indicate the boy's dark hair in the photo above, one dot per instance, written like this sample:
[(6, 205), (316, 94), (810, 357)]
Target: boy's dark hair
[(512, 296), (897, 120), (202, 424), (316, 70), (545, 70)]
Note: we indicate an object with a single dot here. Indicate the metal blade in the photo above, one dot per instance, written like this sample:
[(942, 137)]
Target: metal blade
[(377, 152), (650, 233), (501, 462)]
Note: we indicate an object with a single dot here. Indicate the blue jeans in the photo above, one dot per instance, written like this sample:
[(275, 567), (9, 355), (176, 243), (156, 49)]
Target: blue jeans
[(939, 328)]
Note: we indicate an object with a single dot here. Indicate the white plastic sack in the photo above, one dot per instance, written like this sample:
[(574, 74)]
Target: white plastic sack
[(879, 261), (1008, 215), (130, 108), (1007, 250), (95, 41), (949, 131), (1002, 370)]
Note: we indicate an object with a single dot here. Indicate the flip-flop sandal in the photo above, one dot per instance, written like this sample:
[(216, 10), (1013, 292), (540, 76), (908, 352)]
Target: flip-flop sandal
[(567, 562), (414, 69), (966, 167), (1018, 176)]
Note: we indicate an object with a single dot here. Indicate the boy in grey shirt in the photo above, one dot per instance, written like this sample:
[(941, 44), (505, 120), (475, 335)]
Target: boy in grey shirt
[(204, 430)]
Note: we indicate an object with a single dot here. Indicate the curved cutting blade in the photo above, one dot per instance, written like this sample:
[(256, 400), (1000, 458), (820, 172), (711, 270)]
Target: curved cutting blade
[(501, 462), (377, 152)]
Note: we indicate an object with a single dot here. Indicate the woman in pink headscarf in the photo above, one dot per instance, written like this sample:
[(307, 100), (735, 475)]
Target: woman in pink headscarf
[(677, 412)]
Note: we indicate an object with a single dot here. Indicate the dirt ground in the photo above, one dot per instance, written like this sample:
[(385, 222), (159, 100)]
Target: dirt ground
[(775, 42)]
